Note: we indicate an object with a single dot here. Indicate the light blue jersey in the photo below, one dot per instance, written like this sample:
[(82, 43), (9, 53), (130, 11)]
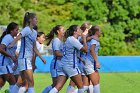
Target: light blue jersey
[(69, 60), (90, 66), (97, 47), (71, 46), (57, 44), (27, 42), (4, 60)]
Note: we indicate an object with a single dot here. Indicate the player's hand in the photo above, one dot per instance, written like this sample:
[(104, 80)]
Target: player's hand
[(85, 32), (83, 36), (44, 61), (98, 65), (34, 67), (11, 45)]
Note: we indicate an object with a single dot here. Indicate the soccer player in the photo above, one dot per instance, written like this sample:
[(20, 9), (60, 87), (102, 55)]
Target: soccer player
[(92, 64), (84, 28), (28, 45), (57, 47), (39, 44), (8, 55), (69, 67)]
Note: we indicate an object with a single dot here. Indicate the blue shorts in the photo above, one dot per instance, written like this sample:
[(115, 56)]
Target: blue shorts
[(55, 64), (68, 71), (6, 70), (24, 63)]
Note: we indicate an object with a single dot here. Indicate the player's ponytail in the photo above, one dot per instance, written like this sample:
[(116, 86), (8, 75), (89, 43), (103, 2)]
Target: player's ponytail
[(53, 32), (27, 17)]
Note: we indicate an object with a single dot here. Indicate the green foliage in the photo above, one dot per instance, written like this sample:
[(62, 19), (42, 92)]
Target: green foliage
[(119, 19)]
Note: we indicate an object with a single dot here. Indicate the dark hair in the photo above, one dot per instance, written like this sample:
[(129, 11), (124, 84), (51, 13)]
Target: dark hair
[(70, 31), (40, 33), (8, 30), (93, 30), (85, 25), (27, 18), (35, 28), (50, 36)]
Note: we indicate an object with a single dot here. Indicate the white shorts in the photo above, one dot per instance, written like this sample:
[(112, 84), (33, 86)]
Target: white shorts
[(68, 71), (24, 64), (6, 70), (89, 67)]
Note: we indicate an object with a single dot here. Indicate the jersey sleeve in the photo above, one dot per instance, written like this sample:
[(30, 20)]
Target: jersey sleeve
[(25, 32), (76, 43), (6, 40), (93, 42), (56, 44)]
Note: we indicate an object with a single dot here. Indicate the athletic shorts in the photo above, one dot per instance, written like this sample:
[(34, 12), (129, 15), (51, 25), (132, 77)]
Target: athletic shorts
[(53, 69), (68, 71), (6, 70), (16, 72), (24, 64), (81, 68), (89, 67)]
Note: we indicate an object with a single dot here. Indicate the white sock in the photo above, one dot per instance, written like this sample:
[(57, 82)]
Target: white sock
[(47, 89), (10, 88), (90, 89), (96, 88), (70, 89), (85, 88), (81, 90), (54, 90), (22, 90), (15, 89), (31, 90)]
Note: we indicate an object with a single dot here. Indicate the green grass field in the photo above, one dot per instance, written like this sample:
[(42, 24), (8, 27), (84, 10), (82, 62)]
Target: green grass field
[(110, 82)]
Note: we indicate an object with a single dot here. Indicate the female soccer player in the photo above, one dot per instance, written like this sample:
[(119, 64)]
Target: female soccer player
[(8, 55), (39, 44), (57, 47), (28, 45), (92, 63), (84, 28), (69, 67)]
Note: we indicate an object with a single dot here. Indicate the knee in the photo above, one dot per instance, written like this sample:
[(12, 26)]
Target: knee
[(80, 85), (59, 86), (30, 82)]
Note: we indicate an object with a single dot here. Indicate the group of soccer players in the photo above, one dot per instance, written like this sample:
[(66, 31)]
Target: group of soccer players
[(75, 56)]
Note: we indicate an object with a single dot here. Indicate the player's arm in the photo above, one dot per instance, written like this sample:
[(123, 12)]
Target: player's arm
[(2, 51), (84, 48), (15, 41), (58, 53), (37, 53), (93, 53)]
